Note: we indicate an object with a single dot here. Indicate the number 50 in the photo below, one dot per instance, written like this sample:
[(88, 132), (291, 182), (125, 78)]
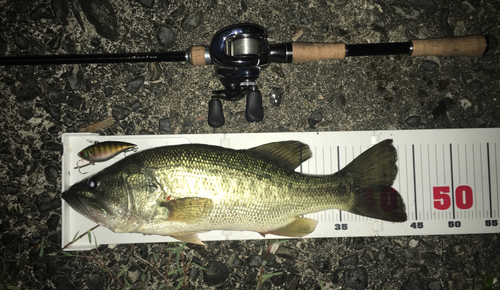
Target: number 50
[(442, 199)]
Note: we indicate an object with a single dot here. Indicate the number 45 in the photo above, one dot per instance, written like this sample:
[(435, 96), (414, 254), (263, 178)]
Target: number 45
[(442, 199)]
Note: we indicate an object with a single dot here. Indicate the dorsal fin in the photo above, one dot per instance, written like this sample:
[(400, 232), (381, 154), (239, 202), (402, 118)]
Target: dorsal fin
[(288, 154)]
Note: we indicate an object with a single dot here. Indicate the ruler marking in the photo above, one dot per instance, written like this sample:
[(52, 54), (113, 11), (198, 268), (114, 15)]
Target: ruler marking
[(338, 169), (482, 185), (489, 177), (422, 181), (496, 171), (414, 181), (429, 171), (444, 165), (452, 186)]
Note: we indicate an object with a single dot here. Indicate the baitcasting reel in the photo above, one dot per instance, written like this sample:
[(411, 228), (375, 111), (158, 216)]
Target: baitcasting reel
[(238, 52)]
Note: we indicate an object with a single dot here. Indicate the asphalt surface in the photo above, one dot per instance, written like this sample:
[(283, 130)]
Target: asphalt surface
[(39, 103)]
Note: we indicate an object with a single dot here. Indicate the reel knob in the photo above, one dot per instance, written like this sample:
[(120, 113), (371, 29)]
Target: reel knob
[(215, 113), (254, 111)]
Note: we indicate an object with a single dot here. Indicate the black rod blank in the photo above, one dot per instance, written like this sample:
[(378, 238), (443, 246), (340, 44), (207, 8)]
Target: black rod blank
[(94, 58)]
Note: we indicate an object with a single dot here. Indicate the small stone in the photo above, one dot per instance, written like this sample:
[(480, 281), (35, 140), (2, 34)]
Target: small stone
[(61, 11), (52, 203), (147, 3), (434, 285), (55, 43), (119, 112), (271, 261), (192, 21), (165, 125), (25, 113), (178, 12), (54, 112), (322, 266), (465, 123), (136, 106), (474, 86), (74, 78), (413, 243), (75, 101), (103, 16), (286, 253), (133, 274), (21, 42), (413, 121), (244, 6), (194, 273), (349, 260), (428, 65), (457, 282), (458, 249), (423, 4), (276, 96), (465, 104), (53, 222), (254, 261), (41, 11), (431, 259), (166, 37), (155, 71), (280, 279), (414, 282), (51, 173), (356, 278), (238, 263), (134, 85), (36, 154), (315, 117), (216, 274), (28, 92)]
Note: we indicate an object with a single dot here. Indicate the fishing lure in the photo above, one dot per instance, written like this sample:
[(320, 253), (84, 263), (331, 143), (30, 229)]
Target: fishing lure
[(103, 151)]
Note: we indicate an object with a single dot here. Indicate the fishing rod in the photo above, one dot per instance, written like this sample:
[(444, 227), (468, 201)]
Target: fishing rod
[(240, 51)]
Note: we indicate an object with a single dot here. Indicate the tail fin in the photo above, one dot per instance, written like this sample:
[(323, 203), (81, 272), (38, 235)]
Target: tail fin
[(375, 171)]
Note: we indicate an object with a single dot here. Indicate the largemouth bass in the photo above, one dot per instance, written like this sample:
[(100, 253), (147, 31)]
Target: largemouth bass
[(183, 190)]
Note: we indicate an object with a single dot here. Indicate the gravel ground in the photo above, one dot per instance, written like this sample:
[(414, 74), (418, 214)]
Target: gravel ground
[(39, 103)]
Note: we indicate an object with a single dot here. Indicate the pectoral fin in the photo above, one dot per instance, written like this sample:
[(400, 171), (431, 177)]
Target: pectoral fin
[(187, 210), (300, 227), (189, 238)]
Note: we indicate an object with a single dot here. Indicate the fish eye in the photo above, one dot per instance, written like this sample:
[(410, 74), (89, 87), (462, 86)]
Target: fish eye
[(93, 183)]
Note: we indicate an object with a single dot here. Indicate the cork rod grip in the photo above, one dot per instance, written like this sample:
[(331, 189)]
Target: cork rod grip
[(474, 45), (303, 52), (198, 55)]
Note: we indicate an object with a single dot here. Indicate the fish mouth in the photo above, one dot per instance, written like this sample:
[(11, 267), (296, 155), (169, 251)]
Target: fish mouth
[(77, 204)]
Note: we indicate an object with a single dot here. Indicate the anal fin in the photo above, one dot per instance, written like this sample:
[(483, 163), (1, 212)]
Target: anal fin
[(300, 227), (189, 238)]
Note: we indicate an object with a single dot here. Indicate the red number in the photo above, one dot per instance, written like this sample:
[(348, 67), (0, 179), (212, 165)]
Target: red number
[(442, 200), (463, 196)]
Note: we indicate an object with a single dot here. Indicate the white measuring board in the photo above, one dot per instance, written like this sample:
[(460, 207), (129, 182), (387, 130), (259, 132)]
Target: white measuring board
[(449, 180)]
